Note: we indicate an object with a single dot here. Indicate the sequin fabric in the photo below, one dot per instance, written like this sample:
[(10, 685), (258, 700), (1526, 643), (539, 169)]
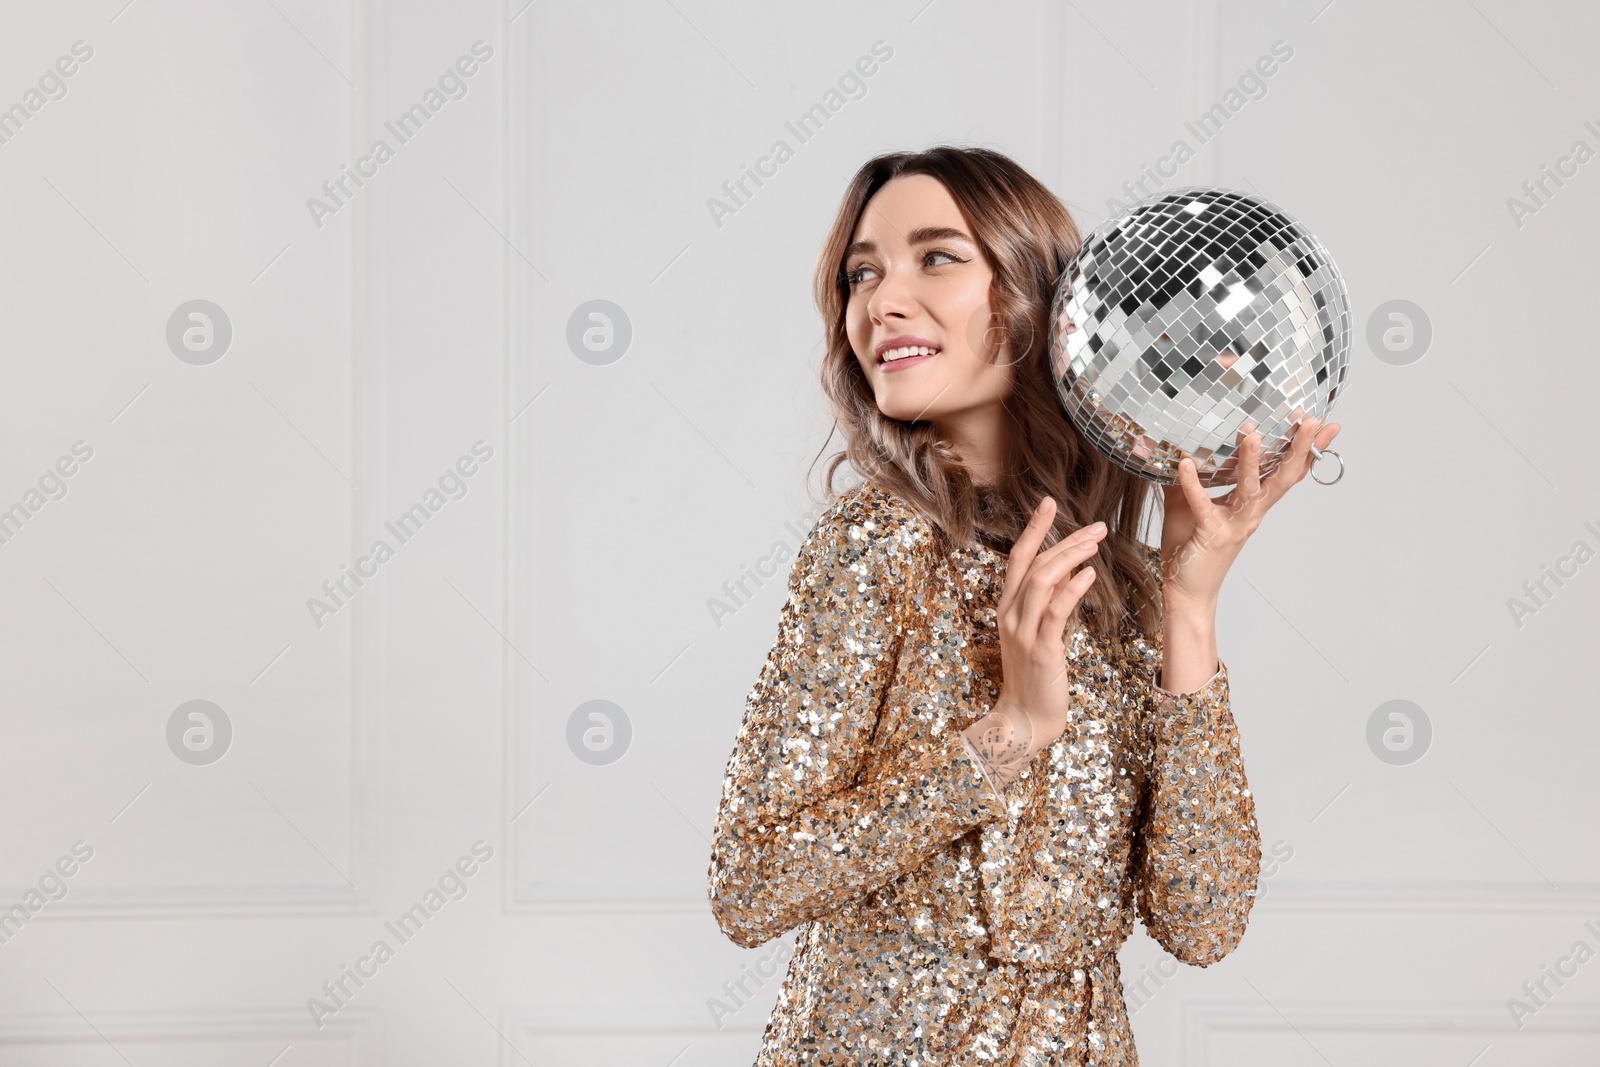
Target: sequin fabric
[(938, 921)]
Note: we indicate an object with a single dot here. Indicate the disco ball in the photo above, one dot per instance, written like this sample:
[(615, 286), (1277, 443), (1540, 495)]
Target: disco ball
[(1189, 316)]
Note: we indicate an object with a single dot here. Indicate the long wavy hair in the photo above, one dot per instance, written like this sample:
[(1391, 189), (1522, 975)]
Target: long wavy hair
[(1027, 237)]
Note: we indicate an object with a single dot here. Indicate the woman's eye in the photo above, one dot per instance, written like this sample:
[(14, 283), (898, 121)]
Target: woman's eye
[(856, 275)]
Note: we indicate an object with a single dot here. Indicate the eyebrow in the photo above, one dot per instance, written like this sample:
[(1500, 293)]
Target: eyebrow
[(915, 237)]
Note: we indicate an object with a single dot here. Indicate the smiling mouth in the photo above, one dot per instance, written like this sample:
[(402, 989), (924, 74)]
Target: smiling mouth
[(895, 355)]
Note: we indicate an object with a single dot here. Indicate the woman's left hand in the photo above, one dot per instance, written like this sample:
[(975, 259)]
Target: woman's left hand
[(1201, 537)]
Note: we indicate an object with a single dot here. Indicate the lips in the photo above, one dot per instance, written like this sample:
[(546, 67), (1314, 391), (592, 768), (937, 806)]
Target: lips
[(895, 355), (905, 349), (905, 363)]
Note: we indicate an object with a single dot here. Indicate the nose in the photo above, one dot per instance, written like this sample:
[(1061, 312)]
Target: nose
[(892, 297)]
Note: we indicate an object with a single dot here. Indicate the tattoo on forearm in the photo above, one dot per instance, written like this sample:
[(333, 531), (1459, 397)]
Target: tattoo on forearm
[(1002, 741)]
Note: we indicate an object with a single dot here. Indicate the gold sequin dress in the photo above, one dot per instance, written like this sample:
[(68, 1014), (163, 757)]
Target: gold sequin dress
[(941, 923)]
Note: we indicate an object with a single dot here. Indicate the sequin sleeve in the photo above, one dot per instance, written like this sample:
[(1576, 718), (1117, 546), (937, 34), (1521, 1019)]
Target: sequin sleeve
[(811, 816), (1197, 850)]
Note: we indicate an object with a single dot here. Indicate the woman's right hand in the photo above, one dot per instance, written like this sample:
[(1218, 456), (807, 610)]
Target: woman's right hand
[(1039, 593)]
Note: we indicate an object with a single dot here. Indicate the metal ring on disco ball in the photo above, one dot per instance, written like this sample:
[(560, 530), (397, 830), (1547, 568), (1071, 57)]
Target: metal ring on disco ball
[(1318, 453), (1190, 314)]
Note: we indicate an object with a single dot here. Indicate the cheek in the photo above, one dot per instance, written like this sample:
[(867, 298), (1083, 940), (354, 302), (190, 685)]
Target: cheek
[(968, 311), (982, 383), (856, 327), (866, 372)]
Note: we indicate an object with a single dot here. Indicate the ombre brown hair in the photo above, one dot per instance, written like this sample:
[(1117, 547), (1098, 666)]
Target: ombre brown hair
[(1026, 236)]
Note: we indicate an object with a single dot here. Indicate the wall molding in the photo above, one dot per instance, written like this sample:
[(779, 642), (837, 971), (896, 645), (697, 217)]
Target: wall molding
[(524, 127), (1204, 1020), (365, 647), (645, 1021), (352, 1027), (1325, 899)]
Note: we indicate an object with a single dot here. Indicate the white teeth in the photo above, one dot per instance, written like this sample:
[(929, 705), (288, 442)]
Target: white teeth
[(893, 354)]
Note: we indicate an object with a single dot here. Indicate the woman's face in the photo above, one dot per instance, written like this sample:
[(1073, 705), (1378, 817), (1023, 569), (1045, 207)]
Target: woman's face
[(917, 278)]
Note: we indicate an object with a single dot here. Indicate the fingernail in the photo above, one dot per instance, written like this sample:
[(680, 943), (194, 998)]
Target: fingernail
[(1097, 527)]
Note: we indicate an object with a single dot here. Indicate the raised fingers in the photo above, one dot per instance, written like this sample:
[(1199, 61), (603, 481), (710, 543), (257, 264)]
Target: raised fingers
[(1064, 599), (1045, 562), (1194, 494), (1027, 545), (1095, 531), (1250, 463), (1043, 580), (1298, 462)]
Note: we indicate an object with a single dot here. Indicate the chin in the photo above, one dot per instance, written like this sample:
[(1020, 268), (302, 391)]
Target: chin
[(903, 410)]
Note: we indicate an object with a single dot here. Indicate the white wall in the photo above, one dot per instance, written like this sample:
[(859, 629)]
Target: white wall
[(445, 703)]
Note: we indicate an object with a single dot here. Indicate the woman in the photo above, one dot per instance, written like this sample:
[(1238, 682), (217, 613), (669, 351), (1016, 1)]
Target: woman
[(972, 756)]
